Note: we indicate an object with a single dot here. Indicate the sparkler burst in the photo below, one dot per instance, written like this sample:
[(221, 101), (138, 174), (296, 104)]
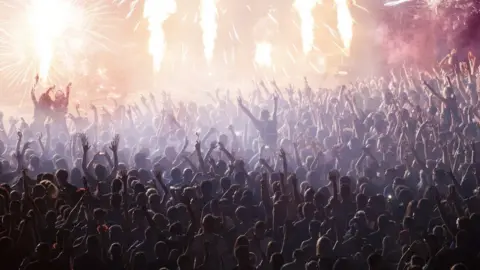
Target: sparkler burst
[(208, 23), (50, 37), (307, 24), (157, 12)]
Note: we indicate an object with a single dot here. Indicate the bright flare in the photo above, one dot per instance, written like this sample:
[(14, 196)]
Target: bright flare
[(49, 19), (344, 24), (263, 54), (433, 4), (208, 22), (157, 12), (307, 23)]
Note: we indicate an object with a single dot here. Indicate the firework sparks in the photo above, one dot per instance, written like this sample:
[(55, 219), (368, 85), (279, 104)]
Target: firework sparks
[(395, 3), (263, 54), (344, 24), (307, 24), (157, 12), (208, 23), (50, 37), (49, 19)]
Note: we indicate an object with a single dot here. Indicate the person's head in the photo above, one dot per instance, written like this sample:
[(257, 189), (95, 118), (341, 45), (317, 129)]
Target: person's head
[(50, 218), (207, 188), (35, 162), (264, 115), (208, 224), (242, 240), (260, 229), (417, 261), (463, 223), (116, 186), (150, 235), (242, 255), (62, 176), (299, 255), (342, 264), (115, 233), (42, 252), (459, 266), (308, 211), (311, 265), (375, 261), (115, 251), (100, 171), (383, 223), (276, 261), (139, 261), (161, 248), (38, 191), (272, 247), (324, 247)]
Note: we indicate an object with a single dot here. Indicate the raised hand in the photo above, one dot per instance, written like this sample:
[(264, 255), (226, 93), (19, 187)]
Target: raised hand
[(240, 101), (114, 144), (19, 135), (143, 99), (197, 145), (84, 141), (282, 154)]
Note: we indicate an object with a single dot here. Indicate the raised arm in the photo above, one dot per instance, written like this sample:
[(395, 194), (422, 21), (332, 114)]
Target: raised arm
[(91, 179), (255, 121), (275, 108), (114, 147), (434, 92), (198, 150)]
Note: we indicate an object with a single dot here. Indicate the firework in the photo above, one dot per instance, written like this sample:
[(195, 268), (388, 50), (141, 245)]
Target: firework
[(157, 12), (208, 23), (50, 37), (307, 24), (263, 54), (344, 24)]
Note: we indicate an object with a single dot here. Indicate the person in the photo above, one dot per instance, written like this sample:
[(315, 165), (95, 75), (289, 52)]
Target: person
[(92, 258), (267, 128)]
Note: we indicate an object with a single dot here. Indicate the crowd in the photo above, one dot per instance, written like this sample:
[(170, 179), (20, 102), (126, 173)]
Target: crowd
[(379, 174)]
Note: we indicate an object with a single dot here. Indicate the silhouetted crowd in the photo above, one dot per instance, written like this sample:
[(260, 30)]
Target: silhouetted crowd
[(379, 174)]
